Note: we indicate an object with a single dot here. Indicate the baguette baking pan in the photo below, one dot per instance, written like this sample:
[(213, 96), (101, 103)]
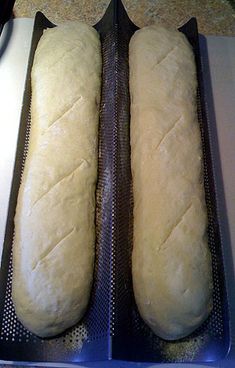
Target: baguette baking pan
[(112, 327)]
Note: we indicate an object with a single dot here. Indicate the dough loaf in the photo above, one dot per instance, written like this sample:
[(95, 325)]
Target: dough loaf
[(171, 261), (53, 252)]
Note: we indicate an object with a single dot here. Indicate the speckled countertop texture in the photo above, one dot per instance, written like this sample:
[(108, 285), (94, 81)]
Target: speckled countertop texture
[(215, 17)]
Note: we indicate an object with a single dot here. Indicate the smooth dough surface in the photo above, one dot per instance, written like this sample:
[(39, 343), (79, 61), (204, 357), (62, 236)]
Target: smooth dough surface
[(171, 262), (53, 252)]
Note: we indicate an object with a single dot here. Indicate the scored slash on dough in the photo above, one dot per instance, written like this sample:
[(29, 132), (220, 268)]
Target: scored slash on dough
[(64, 177), (174, 227), (164, 57), (170, 129), (50, 249), (64, 113)]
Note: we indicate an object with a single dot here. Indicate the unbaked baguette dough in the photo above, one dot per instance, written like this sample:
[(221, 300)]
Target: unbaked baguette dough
[(53, 252), (171, 261)]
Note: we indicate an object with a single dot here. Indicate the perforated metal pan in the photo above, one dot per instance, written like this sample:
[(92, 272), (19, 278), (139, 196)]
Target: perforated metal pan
[(212, 340), (90, 339), (112, 327)]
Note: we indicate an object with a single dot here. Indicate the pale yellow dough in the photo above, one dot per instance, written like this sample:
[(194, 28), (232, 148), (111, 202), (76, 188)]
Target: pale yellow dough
[(171, 261), (53, 252)]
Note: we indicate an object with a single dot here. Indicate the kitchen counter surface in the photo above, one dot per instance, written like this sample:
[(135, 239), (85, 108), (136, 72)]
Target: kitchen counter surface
[(215, 17)]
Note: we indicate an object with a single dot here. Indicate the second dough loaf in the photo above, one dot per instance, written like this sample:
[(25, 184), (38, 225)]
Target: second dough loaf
[(53, 252), (171, 260)]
